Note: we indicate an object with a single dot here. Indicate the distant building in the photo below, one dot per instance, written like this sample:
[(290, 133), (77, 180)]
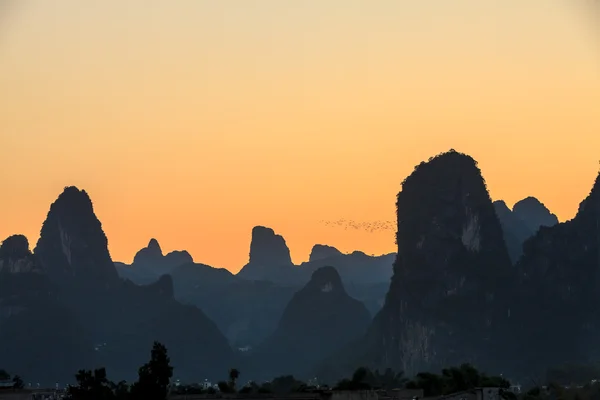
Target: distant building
[(516, 389), (6, 384), (403, 394), (475, 394)]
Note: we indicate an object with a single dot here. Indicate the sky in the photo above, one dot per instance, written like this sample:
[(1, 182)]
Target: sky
[(192, 121)]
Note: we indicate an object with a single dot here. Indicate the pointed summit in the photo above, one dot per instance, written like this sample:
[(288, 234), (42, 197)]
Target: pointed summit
[(72, 244), (154, 246), (150, 254), (152, 260)]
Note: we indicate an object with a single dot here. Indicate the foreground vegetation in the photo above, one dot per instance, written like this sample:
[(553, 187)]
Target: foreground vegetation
[(154, 383)]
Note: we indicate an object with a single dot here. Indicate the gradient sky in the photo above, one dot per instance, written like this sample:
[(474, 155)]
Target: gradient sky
[(192, 121)]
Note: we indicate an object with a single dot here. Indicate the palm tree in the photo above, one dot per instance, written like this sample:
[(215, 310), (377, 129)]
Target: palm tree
[(234, 374)]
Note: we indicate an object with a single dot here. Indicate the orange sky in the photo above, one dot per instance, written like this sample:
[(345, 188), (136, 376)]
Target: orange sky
[(192, 121)]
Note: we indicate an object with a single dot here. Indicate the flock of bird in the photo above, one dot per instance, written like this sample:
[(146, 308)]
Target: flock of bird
[(367, 226)]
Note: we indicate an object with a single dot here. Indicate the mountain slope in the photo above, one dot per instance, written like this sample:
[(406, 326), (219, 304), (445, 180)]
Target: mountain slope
[(246, 311), (452, 265), (557, 306), (149, 263), (318, 320), (123, 319), (269, 259), (36, 329)]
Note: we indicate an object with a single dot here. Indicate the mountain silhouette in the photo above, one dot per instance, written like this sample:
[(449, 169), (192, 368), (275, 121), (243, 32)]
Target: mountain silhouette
[(149, 263), (441, 308), (114, 321), (247, 307), (319, 319), (559, 275), (472, 281), (269, 258), (36, 328), (522, 222)]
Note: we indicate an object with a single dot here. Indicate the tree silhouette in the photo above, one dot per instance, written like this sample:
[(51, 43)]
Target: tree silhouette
[(224, 387), (454, 379), (18, 382), (234, 374), (359, 381), (154, 376), (91, 386)]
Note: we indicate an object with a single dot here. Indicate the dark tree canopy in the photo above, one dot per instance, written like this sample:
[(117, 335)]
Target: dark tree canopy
[(154, 376), (91, 385)]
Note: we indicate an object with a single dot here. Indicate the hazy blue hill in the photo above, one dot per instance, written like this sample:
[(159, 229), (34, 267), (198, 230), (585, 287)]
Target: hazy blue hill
[(319, 319), (522, 222)]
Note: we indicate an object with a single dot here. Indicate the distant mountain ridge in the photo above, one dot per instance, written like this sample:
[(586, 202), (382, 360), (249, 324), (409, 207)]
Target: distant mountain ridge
[(452, 296), (522, 222), (247, 306), (78, 295), (149, 263)]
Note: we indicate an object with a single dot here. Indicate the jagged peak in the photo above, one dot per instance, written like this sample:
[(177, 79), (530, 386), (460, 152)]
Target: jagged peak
[(72, 242), (149, 254), (322, 251), (153, 245)]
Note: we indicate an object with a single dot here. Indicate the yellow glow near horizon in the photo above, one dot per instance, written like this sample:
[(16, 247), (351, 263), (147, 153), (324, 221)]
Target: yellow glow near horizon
[(193, 121)]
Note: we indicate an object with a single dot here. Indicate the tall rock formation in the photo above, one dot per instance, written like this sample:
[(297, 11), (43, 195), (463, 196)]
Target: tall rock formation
[(120, 318), (557, 307), (72, 245), (443, 304), (269, 258), (15, 256), (318, 320)]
